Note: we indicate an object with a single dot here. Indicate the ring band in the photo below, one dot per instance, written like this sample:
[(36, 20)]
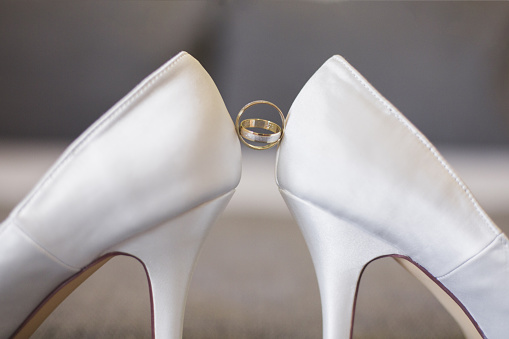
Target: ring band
[(270, 139), (266, 138)]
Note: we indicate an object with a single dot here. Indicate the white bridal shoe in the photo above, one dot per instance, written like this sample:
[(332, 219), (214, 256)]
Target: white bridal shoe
[(145, 180), (364, 183)]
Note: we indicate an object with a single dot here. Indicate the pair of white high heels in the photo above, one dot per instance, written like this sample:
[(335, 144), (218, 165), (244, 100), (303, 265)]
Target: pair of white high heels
[(152, 174)]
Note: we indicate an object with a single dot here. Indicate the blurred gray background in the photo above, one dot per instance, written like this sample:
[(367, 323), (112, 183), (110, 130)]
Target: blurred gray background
[(445, 65)]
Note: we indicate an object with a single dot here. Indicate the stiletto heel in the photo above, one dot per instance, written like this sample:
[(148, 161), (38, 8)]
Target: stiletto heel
[(146, 180), (363, 182), (168, 253), (340, 251)]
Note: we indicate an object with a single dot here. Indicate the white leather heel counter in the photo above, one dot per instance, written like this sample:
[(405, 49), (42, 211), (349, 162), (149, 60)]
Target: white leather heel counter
[(349, 151), (168, 146)]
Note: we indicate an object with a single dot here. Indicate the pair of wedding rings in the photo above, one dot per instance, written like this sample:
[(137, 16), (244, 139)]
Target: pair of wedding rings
[(246, 134)]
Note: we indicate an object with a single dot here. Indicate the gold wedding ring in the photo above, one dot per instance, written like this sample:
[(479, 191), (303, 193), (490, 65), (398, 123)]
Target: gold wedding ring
[(246, 134), (266, 138)]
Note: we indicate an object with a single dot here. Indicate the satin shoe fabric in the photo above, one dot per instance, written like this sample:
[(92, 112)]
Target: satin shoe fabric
[(147, 179), (363, 183)]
